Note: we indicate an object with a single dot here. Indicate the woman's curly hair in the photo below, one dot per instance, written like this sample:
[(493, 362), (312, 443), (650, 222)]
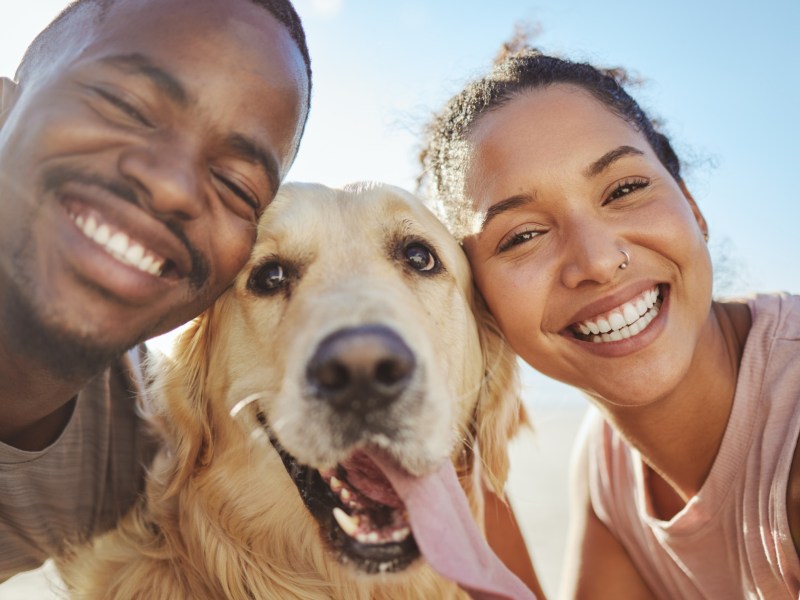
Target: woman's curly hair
[(518, 68)]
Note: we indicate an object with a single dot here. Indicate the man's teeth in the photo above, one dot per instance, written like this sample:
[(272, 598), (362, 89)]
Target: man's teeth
[(623, 322), (119, 245)]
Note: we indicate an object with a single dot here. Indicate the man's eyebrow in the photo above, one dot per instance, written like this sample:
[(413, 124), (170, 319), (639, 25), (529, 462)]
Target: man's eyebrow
[(605, 161), (505, 205), (139, 64), (251, 151)]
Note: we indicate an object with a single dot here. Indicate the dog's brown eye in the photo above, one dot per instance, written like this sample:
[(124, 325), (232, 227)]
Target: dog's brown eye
[(421, 258), (269, 277)]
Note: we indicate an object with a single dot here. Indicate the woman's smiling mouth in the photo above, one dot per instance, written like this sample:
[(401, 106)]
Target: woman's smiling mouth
[(623, 322)]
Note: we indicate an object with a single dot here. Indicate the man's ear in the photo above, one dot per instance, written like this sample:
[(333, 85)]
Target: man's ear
[(8, 95), (701, 220)]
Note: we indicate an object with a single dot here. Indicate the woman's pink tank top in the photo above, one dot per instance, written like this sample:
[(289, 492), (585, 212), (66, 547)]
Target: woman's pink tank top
[(732, 539)]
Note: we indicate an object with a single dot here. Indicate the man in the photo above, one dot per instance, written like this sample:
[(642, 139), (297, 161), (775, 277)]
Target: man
[(138, 146)]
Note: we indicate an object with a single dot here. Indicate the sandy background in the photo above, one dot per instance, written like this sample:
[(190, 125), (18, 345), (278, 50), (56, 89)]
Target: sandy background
[(537, 488)]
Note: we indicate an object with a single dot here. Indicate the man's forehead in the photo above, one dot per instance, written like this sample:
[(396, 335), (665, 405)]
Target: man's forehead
[(204, 36), (134, 20)]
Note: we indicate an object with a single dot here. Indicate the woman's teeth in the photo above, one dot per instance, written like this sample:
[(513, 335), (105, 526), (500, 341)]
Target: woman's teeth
[(119, 245), (623, 322)]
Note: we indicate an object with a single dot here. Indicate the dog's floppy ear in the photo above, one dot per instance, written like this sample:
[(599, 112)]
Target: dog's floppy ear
[(499, 412), (180, 383)]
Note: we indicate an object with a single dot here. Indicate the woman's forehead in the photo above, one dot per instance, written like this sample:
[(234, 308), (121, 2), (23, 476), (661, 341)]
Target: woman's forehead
[(560, 124), (559, 133)]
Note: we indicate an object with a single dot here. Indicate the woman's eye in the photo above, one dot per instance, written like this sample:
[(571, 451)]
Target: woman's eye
[(268, 278), (421, 257), (518, 238), (628, 186)]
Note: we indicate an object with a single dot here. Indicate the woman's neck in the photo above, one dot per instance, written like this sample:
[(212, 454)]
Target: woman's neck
[(679, 435)]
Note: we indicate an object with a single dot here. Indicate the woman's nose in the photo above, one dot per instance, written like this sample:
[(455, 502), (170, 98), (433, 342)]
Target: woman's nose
[(592, 254), (169, 176)]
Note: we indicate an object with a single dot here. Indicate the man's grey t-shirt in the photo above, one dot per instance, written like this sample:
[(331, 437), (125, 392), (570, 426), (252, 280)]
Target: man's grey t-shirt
[(81, 484)]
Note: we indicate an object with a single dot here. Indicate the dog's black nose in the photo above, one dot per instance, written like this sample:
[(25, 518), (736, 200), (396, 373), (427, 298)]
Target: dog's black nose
[(361, 369)]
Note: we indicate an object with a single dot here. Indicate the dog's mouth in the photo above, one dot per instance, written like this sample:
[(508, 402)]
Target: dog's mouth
[(361, 518), (373, 514), (366, 505)]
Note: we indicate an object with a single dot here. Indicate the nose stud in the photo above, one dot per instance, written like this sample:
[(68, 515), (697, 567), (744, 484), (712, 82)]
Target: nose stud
[(626, 262)]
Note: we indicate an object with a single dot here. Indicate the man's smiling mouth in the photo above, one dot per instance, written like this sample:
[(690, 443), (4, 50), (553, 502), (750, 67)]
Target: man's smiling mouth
[(623, 322), (117, 243)]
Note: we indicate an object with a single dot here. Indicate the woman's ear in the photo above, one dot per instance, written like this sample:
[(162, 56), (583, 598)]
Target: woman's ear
[(8, 95), (701, 220)]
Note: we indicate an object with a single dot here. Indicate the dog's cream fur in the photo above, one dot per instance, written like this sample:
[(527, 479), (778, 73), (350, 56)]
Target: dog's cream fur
[(221, 518)]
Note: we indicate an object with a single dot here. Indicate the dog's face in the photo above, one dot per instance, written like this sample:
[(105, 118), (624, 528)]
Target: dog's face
[(364, 303), (352, 331)]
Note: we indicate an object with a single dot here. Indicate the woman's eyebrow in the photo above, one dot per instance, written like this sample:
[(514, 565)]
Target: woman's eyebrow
[(594, 169), (605, 161), (503, 206)]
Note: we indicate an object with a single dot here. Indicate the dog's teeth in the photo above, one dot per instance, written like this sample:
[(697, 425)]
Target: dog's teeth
[(381, 440), (336, 485), (345, 494), (400, 534), (348, 524), (368, 538)]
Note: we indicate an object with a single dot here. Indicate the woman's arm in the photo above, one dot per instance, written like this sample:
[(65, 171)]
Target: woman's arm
[(596, 566)]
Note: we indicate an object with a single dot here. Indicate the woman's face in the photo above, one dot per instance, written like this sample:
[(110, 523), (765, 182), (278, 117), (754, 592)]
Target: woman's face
[(563, 185)]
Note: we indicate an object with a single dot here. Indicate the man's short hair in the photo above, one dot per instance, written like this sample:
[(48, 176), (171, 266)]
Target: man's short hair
[(282, 10)]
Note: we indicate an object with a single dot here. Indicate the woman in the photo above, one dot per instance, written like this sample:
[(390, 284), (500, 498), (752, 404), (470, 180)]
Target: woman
[(591, 253)]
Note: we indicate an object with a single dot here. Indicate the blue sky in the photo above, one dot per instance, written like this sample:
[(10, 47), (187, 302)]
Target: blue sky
[(723, 76)]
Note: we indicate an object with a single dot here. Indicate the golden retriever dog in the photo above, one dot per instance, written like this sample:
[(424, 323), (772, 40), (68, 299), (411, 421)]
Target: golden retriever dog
[(353, 333)]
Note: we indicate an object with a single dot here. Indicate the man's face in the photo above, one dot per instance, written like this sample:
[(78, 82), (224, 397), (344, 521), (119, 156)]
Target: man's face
[(134, 166)]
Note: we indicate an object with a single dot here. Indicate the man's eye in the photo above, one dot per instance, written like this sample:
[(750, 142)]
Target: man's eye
[(268, 278), (124, 107), (239, 192), (420, 257)]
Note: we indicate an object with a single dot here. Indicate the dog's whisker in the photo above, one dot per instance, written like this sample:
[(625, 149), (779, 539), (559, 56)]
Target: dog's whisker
[(278, 424), (245, 402), (259, 434)]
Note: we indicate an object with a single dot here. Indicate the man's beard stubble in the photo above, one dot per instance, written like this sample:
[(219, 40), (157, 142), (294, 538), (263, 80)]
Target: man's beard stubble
[(66, 354), (38, 337)]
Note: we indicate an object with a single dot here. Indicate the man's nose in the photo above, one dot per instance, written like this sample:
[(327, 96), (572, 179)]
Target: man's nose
[(168, 173), (592, 253)]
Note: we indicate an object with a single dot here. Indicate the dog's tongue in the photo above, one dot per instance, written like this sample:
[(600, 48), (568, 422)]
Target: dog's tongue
[(448, 536)]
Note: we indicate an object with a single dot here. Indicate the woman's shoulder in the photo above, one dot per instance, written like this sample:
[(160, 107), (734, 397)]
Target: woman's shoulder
[(782, 310), (776, 314)]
